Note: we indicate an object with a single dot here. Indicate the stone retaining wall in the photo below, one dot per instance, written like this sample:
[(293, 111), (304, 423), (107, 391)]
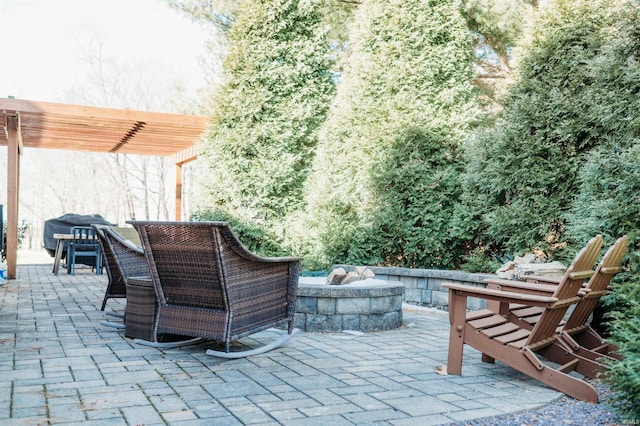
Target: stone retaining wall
[(423, 287)]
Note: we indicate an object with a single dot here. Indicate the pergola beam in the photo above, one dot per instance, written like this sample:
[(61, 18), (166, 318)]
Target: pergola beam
[(94, 129)]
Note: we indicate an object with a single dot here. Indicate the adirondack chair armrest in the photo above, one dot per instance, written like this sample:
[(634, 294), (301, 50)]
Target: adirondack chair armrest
[(541, 289), (581, 275), (546, 279), (611, 270), (501, 295), (520, 286), (551, 279)]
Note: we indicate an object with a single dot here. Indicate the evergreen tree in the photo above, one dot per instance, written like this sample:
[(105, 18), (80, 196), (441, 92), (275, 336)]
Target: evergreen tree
[(277, 88), (522, 175), (405, 100)]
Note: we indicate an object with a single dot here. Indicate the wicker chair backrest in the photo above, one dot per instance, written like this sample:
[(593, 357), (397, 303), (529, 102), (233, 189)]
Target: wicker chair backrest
[(123, 258), (185, 263)]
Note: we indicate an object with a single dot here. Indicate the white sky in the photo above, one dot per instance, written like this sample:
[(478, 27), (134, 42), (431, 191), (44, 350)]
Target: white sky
[(44, 42)]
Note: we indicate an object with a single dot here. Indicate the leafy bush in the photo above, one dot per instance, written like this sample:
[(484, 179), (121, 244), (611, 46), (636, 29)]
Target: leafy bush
[(254, 237), (609, 203), (416, 187), (522, 181), (624, 376)]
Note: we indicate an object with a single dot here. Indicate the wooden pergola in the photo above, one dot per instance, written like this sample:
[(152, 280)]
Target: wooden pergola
[(84, 128)]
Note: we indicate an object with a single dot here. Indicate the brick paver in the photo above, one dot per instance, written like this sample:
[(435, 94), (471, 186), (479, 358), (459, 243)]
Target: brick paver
[(60, 366)]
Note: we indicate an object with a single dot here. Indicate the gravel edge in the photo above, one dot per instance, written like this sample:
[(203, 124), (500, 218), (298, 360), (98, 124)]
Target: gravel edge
[(563, 411)]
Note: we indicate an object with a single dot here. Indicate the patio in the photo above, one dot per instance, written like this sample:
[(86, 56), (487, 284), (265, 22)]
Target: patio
[(60, 366)]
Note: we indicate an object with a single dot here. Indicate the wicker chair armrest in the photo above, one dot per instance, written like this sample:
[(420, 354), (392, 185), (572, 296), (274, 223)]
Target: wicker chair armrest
[(122, 240), (243, 251), (140, 281), (256, 258)]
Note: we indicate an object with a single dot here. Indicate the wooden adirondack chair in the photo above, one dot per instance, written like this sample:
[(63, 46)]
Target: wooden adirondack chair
[(575, 334), (499, 338)]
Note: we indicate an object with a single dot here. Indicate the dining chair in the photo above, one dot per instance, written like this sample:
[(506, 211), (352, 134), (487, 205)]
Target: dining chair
[(82, 246)]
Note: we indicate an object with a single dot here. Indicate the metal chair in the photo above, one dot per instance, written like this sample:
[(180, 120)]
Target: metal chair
[(82, 246)]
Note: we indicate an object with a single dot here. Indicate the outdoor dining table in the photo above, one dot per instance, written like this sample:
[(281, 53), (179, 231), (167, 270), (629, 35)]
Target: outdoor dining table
[(62, 239)]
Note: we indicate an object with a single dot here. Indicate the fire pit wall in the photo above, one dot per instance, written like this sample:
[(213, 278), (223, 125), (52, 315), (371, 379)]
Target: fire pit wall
[(424, 287), (365, 306), (327, 308)]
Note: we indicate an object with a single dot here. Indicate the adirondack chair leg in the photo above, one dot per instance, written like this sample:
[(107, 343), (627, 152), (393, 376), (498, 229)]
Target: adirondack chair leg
[(567, 384), (488, 359), (457, 315), (598, 353), (582, 361), (590, 339), (530, 365)]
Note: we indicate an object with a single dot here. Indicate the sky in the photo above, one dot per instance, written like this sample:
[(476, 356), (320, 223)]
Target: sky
[(45, 43)]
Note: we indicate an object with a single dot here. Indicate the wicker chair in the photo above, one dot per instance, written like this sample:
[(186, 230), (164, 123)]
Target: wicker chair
[(209, 286), (124, 261)]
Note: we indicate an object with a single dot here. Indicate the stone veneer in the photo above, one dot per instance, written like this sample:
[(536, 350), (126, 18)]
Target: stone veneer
[(423, 287), (365, 306)]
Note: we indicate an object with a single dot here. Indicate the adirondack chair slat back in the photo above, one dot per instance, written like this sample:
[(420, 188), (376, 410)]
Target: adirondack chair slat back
[(608, 267), (568, 288), (185, 264)]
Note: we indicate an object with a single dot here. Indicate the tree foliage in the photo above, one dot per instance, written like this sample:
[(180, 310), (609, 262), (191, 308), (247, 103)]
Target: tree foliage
[(560, 163), (276, 92), (408, 81), (392, 175), (524, 174)]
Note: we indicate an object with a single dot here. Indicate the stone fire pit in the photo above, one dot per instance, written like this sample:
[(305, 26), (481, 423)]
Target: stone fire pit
[(367, 305)]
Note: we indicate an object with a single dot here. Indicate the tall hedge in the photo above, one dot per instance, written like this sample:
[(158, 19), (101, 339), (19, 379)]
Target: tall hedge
[(404, 101), (608, 200), (524, 168), (277, 89)]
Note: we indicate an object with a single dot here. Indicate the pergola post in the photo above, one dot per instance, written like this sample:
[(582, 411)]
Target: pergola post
[(13, 184), (179, 191), (179, 159)]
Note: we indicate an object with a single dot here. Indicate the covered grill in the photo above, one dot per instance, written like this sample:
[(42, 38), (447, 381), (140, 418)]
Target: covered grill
[(63, 225)]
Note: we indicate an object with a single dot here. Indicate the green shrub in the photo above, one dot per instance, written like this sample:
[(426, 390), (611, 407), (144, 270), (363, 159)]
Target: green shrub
[(277, 89), (252, 236), (624, 376), (609, 203), (522, 181), (410, 72), (416, 187)]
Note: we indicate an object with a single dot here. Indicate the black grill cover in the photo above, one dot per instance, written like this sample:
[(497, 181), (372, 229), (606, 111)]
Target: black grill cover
[(63, 225)]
